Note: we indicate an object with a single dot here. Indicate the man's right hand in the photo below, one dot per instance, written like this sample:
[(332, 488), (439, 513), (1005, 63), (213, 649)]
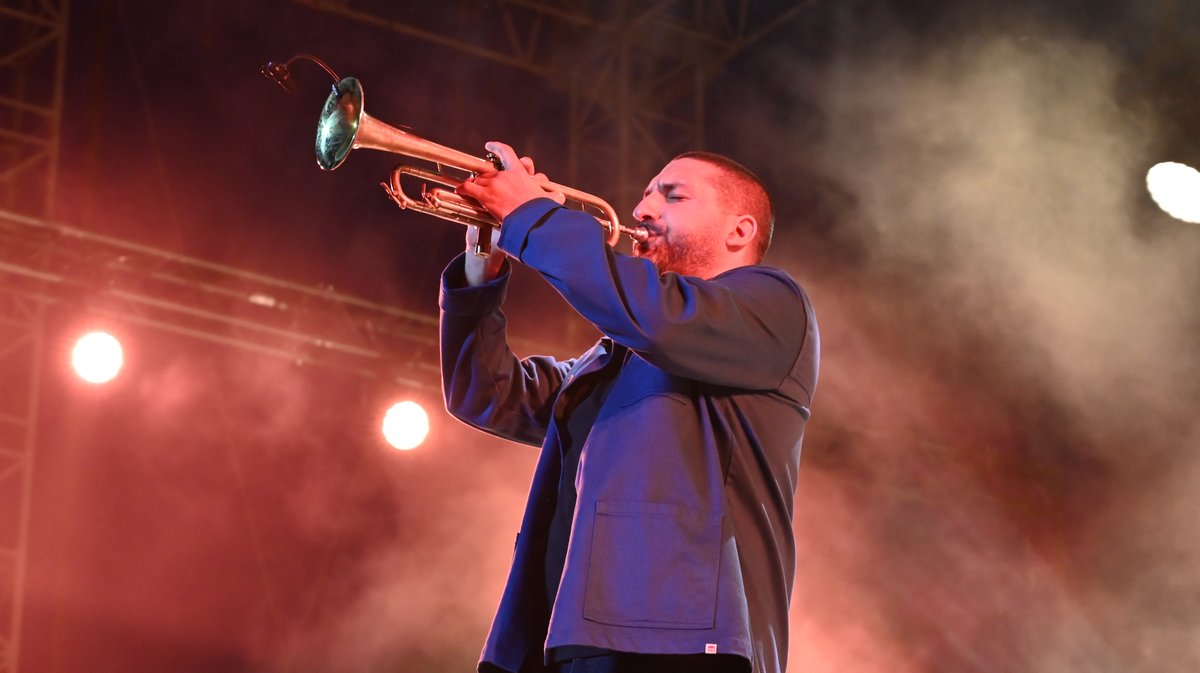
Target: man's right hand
[(500, 192), (480, 270)]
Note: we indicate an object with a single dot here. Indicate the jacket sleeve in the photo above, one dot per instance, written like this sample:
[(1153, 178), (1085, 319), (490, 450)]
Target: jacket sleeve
[(744, 328), (484, 384)]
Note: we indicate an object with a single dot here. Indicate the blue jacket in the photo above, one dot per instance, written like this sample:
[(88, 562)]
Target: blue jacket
[(681, 540)]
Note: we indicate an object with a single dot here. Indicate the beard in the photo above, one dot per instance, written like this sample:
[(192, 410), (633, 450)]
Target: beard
[(683, 253)]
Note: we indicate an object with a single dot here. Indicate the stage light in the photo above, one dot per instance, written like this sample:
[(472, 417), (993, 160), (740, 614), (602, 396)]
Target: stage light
[(1176, 189), (97, 357), (405, 425)]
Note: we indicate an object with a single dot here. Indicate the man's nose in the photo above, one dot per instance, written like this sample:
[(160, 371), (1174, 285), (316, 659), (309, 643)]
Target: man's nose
[(644, 209)]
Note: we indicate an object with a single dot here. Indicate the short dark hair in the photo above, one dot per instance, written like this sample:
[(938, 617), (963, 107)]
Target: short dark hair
[(743, 192)]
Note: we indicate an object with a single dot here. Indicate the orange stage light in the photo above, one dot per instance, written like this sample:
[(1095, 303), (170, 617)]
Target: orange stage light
[(1175, 188), (405, 425), (97, 357)]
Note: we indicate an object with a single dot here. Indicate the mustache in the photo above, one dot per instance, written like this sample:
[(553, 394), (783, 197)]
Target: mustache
[(651, 228)]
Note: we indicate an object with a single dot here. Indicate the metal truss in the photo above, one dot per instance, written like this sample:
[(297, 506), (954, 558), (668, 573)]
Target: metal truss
[(21, 337), (635, 72), (33, 39), (129, 283)]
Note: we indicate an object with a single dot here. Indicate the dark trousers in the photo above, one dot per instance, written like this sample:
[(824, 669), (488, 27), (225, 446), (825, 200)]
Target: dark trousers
[(655, 663)]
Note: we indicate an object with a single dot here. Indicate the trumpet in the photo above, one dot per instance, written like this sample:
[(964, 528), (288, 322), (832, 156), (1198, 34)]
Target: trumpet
[(344, 126)]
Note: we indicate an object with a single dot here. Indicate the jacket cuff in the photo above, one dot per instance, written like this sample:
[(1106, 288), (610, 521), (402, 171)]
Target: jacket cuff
[(515, 230), (458, 298)]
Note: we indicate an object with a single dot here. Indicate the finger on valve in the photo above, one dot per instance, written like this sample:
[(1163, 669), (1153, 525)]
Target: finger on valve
[(508, 156)]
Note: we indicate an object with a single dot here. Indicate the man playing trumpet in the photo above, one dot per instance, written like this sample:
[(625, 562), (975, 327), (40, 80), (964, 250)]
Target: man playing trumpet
[(657, 534)]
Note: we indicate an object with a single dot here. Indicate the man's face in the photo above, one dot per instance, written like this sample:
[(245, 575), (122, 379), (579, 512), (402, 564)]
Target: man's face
[(683, 211)]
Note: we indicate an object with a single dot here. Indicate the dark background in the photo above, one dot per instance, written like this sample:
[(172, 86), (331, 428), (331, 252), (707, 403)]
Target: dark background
[(1000, 472)]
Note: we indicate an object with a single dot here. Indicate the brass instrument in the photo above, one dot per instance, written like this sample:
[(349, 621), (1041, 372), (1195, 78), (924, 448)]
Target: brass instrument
[(344, 126)]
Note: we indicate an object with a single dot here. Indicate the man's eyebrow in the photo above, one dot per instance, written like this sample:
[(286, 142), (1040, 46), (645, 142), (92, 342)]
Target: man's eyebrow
[(664, 187)]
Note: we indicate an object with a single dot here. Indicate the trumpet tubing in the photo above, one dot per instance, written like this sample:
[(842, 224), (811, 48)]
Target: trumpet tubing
[(344, 126)]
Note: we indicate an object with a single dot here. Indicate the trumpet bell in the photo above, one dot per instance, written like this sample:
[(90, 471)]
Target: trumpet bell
[(338, 126), (345, 125)]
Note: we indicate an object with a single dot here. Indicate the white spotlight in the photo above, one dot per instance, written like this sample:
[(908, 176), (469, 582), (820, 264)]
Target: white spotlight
[(405, 425), (1176, 189), (97, 357)]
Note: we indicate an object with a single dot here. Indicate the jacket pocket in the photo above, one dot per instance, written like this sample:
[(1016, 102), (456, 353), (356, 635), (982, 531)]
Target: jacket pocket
[(653, 564)]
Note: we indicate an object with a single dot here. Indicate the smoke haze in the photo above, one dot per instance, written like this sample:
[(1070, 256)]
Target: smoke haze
[(997, 471)]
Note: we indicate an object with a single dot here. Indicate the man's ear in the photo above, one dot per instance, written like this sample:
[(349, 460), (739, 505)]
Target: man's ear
[(742, 233)]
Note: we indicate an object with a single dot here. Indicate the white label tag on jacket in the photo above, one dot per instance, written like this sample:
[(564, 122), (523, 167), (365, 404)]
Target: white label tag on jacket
[(710, 648)]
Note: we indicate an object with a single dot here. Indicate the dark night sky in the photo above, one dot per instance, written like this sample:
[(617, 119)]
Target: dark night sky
[(999, 474)]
